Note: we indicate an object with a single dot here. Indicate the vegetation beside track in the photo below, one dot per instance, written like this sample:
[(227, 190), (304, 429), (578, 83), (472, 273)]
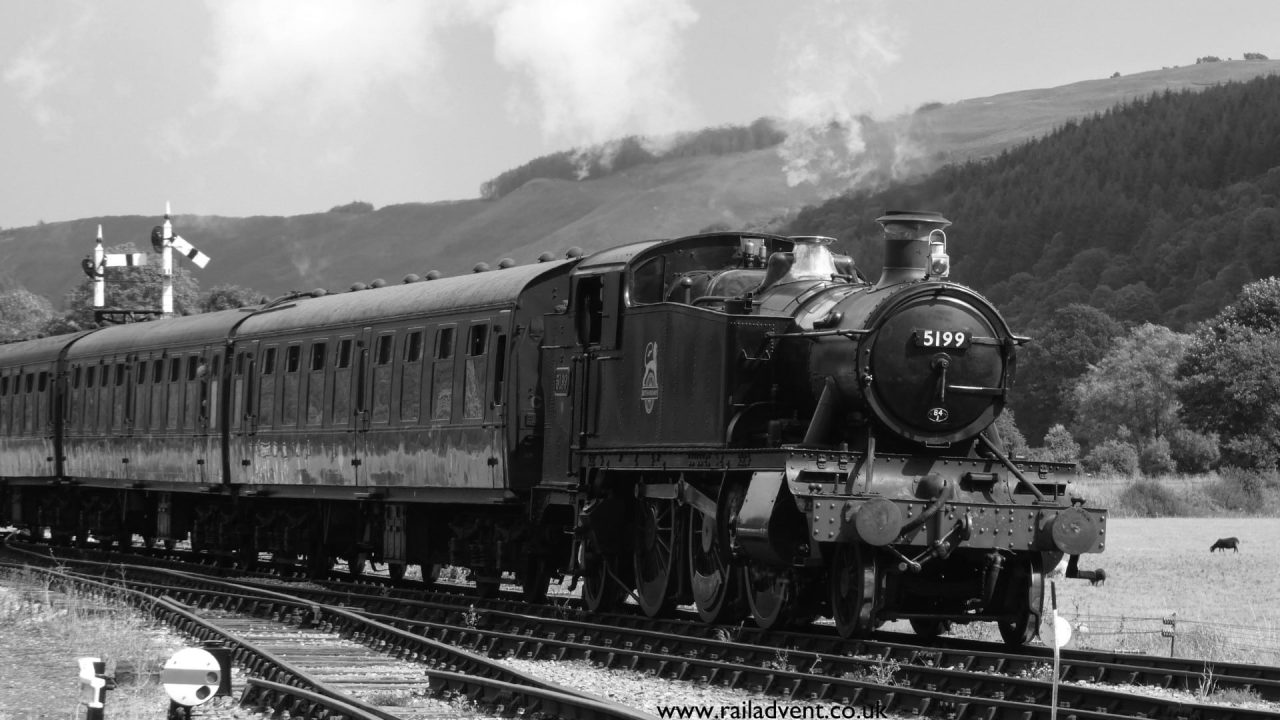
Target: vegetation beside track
[(45, 630)]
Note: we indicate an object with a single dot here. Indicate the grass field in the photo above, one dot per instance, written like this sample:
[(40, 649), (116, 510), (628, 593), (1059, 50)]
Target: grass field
[(1227, 606)]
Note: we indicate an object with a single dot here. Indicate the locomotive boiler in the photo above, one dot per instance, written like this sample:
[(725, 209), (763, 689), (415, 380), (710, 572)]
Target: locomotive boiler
[(738, 422)]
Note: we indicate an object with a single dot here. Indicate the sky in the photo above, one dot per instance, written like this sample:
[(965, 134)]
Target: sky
[(285, 107)]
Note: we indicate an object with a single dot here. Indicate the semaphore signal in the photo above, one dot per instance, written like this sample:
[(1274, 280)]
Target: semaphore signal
[(164, 241)]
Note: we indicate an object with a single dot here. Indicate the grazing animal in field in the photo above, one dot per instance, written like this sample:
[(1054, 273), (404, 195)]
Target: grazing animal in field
[(1099, 577), (1224, 543)]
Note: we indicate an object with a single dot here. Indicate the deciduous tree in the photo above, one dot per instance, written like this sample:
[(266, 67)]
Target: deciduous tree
[(1133, 385), (23, 314), (1230, 377)]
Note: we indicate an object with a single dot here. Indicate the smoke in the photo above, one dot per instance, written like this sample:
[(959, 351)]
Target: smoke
[(840, 49)]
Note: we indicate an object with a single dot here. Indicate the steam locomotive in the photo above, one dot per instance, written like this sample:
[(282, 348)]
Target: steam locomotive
[(736, 421)]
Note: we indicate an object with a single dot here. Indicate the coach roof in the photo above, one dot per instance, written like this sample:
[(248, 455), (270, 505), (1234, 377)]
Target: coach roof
[(460, 293), (34, 351), (177, 332)]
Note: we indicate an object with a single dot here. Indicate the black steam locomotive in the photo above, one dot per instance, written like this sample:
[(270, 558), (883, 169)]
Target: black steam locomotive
[(737, 421)]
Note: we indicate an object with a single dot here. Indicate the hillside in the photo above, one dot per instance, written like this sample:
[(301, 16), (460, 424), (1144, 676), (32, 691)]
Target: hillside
[(668, 198)]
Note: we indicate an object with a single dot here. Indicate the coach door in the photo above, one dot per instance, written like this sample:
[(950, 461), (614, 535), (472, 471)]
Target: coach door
[(243, 410)]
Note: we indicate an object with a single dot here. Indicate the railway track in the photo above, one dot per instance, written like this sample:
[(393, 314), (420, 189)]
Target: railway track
[(297, 664), (958, 679)]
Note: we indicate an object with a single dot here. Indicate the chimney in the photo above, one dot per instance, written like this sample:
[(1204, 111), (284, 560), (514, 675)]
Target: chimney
[(907, 236)]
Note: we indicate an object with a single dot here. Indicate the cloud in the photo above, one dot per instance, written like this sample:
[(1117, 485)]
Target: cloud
[(586, 70), (44, 65), (31, 75), (322, 56), (598, 70)]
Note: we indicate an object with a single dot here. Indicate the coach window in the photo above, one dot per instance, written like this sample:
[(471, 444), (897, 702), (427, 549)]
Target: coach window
[(105, 404), (315, 382), (411, 377), (90, 397), (267, 388), (119, 398), (156, 421), (42, 411), (442, 375), (473, 380), (191, 392), (29, 405), (73, 398), (382, 357), (342, 383), (210, 381), (237, 391), (174, 388), (141, 402), (289, 392), (499, 367)]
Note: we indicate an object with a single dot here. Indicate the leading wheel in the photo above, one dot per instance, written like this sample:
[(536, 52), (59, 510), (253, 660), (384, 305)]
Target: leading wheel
[(855, 589), (656, 555), (1026, 585)]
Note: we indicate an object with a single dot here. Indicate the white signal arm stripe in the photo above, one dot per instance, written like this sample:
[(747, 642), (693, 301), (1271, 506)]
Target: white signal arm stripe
[(187, 249), (126, 259)]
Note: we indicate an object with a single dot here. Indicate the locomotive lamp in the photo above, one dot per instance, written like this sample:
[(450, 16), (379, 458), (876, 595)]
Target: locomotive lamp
[(939, 261)]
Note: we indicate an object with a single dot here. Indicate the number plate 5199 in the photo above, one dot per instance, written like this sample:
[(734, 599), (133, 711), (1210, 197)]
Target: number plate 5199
[(955, 339)]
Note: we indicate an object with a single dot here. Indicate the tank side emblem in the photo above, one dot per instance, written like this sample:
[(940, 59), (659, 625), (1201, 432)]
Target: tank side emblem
[(938, 415), (649, 381)]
